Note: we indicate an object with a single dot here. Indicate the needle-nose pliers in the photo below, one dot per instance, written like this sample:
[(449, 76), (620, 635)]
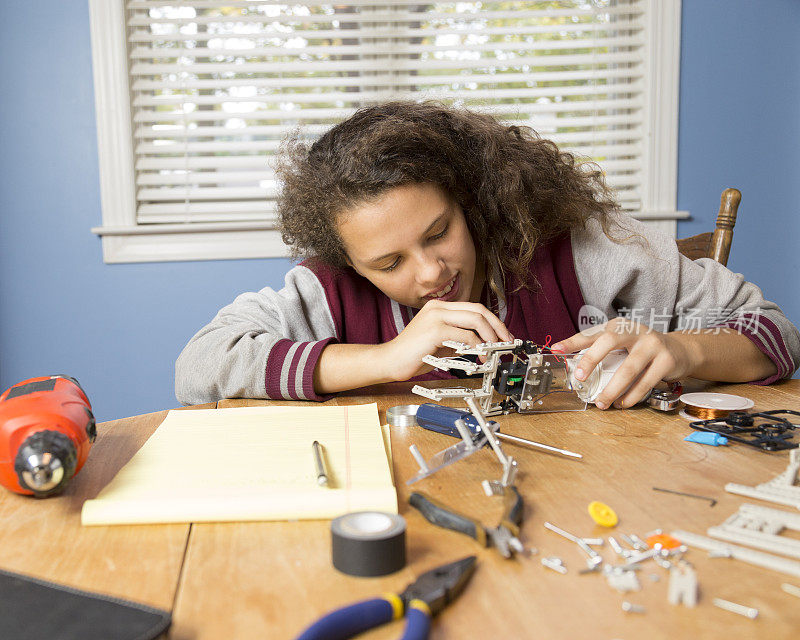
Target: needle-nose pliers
[(504, 537), (421, 600)]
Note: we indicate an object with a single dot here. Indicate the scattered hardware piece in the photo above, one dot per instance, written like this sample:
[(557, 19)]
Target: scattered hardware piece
[(594, 557), (791, 589), (688, 495), (706, 437), (554, 563), (591, 568), (422, 599), (641, 557), (764, 430), (629, 607), (635, 542), (617, 547), (757, 558), (620, 579), (747, 612), (760, 527), (504, 537), (682, 587), (705, 405), (666, 541), (782, 489), (638, 543), (402, 415), (598, 542), (719, 554), (602, 514)]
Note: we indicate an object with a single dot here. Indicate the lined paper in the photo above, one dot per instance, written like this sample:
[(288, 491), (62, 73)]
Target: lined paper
[(249, 464)]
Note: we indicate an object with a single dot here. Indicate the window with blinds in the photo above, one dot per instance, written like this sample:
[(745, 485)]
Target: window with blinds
[(214, 86)]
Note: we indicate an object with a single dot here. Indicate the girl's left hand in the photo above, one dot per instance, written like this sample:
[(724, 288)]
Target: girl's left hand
[(652, 357)]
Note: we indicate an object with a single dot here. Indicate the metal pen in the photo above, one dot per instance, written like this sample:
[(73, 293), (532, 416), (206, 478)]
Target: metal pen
[(322, 476)]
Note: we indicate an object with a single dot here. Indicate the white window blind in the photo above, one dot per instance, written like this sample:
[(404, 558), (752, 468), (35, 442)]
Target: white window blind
[(215, 86)]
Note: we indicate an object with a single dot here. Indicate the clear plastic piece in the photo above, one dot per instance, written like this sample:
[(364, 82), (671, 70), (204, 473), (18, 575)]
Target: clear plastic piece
[(462, 449), (550, 386)]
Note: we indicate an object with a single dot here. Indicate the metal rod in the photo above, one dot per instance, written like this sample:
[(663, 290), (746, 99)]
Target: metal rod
[(539, 445), (688, 495), (465, 434), (790, 588), (579, 541), (487, 431), (561, 532), (423, 466), (322, 476)]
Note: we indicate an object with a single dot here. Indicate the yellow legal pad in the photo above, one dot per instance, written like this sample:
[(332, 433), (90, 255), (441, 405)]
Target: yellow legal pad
[(251, 463)]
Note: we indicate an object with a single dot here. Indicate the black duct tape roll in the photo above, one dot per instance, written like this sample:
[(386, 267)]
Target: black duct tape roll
[(369, 543)]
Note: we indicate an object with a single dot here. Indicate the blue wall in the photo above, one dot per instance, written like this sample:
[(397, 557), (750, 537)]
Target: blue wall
[(740, 127), (118, 328)]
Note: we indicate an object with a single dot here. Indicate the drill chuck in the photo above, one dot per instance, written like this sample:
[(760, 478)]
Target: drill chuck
[(45, 461)]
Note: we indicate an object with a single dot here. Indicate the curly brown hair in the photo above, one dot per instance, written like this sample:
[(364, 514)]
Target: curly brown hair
[(516, 189)]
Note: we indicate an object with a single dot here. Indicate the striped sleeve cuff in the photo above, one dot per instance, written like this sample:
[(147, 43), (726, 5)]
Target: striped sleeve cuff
[(290, 370), (767, 337)]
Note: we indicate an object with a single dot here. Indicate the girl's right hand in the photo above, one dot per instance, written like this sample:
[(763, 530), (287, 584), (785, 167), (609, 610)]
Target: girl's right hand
[(468, 322)]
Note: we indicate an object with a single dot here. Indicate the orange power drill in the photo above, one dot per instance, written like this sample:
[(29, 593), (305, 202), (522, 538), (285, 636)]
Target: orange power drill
[(46, 431)]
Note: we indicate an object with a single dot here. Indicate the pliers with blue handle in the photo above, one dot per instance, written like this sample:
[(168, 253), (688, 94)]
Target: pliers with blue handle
[(422, 599)]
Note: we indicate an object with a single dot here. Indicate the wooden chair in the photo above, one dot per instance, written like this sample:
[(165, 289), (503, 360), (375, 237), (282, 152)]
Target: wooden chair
[(716, 244)]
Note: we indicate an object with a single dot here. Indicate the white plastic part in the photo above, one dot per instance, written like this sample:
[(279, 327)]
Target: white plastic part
[(682, 586), (601, 375), (757, 558), (782, 489), (760, 527)]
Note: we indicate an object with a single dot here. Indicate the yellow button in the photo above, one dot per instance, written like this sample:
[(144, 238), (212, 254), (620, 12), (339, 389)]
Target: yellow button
[(602, 514)]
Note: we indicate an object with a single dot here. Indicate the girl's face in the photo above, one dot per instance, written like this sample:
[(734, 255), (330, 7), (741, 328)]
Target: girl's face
[(413, 244)]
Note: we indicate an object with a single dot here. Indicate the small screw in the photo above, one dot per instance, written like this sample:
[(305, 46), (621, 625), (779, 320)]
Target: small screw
[(629, 607)]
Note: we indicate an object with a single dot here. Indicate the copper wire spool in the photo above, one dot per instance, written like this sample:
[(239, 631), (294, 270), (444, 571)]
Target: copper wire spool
[(712, 406), (702, 413)]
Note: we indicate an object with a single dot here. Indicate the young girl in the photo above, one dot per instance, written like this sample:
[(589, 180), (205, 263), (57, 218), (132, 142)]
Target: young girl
[(425, 223)]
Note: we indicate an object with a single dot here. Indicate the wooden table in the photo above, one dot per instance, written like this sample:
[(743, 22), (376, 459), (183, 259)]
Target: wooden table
[(269, 580)]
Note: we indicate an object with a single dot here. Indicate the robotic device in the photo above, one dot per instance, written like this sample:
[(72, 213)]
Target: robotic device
[(532, 380), (46, 431)]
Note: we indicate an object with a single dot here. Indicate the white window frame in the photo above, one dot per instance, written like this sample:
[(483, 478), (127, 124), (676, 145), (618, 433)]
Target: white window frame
[(126, 241)]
